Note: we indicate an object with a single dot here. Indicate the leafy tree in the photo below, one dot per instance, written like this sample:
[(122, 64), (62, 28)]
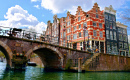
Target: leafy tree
[(125, 15)]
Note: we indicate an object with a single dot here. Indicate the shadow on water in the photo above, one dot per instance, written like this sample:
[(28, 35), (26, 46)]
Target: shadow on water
[(35, 73)]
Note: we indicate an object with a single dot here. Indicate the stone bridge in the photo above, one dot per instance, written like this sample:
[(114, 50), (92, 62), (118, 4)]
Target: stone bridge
[(52, 56), (57, 57)]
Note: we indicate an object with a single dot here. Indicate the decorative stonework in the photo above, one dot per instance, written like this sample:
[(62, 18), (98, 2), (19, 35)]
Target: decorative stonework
[(110, 10), (119, 24)]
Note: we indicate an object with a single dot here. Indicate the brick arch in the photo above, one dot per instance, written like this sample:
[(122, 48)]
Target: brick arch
[(48, 47), (8, 52)]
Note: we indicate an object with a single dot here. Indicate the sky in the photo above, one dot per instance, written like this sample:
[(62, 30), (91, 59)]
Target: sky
[(35, 13)]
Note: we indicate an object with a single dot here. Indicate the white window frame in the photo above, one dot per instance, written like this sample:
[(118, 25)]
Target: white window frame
[(94, 24), (94, 33), (100, 25), (101, 35), (75, 36)]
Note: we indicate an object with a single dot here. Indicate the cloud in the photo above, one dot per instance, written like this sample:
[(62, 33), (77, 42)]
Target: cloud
[(34, 0), (59, 6), (36, 6), (18, 17)]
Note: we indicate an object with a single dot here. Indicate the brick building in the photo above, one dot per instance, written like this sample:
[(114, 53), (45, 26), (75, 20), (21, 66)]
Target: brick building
[(89, 24), (93, 30), (122, 38), (53, 31), (111, 30)]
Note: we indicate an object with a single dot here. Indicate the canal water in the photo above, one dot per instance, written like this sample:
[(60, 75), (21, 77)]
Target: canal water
[(34, 73)]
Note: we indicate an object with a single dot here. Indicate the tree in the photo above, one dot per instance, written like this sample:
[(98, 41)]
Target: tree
[(125, 15)]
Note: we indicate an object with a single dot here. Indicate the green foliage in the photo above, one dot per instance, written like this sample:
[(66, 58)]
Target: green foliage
[(34, 55), (1, 54), (68, 64)]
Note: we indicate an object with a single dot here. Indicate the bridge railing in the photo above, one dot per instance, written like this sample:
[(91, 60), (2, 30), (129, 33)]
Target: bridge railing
[(63, 41), (19, 33)]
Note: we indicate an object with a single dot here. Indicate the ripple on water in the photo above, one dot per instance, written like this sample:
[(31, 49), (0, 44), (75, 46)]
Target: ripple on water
[(34, 73)]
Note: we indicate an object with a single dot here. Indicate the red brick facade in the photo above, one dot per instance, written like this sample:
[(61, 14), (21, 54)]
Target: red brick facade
[(72, 29), (72, 32)]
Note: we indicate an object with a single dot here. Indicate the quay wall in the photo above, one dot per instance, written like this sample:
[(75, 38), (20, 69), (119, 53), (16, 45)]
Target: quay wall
[(107, 62)]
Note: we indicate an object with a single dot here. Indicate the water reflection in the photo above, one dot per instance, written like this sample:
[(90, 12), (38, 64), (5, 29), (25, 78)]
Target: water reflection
[(34, 73)]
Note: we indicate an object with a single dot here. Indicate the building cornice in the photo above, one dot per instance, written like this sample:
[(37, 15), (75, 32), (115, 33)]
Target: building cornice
[(119, 24)]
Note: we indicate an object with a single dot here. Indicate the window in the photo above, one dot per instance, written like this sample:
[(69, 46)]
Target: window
[(106, 16), (64, 34), (94, 23), (55, 26), (110, 17), (100, 25), (86, 33), (108, 47), (125, 46), (79, 26), (101, 34), (80, 43), (114, 35), (114, 27), (85, 24), (68, 37), (120, 37), (107, 25), (96, 10), (74, 28), (75, 36), (61, 35), (79, 13), (110, 25), (125, 38), (79, 18), (80, 34), (96, 15), (111, 35), (68, 17), (124, 31), (107, 34), (115, 47), (68, 23), (113, 18), (120, 45), (94, 33), (120, 30), (68, 30)]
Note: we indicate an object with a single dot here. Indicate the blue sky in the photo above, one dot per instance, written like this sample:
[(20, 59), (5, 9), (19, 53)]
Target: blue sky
[(35, 13)]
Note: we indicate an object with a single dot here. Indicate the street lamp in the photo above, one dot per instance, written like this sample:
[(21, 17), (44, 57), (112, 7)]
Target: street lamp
[(84, 29)]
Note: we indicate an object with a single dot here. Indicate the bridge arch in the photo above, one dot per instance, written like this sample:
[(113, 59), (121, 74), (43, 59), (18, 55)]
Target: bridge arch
[(50, 56), (7, 52)]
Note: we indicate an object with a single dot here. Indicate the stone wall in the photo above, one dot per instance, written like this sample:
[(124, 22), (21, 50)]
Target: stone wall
[(105, 62), (37, 60)]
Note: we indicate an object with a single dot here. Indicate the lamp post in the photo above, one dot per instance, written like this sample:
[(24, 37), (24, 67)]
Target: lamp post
[(84, 29)]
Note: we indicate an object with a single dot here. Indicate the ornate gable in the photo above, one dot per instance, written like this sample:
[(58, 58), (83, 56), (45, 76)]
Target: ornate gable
[(95, 7), (110, 10)]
